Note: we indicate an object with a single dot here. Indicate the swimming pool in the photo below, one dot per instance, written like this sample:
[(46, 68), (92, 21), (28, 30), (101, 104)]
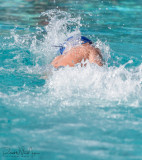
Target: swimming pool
[(87, 113)]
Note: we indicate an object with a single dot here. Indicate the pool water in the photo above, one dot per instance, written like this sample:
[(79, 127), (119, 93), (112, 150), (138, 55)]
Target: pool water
[(80, 113)]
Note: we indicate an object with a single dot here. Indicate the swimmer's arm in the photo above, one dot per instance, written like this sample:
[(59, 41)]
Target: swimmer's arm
[(64, 60), (95, 56), (56, 59)]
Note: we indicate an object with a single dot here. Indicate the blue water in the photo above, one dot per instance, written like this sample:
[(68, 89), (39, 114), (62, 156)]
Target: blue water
[(80, 113)]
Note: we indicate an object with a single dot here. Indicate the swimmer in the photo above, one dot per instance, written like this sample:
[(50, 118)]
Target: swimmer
[(74, 50)]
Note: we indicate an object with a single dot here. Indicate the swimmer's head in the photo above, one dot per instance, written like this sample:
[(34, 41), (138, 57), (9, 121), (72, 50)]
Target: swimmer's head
[(74, 41)]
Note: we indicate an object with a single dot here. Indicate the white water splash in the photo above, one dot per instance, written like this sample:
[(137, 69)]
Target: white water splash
[(113, 84), (78, 86)]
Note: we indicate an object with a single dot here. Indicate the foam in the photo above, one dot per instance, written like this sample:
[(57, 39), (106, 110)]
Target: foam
[(77, 86)]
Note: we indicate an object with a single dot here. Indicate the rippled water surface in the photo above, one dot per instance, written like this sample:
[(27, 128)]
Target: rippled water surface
[(80, 113)]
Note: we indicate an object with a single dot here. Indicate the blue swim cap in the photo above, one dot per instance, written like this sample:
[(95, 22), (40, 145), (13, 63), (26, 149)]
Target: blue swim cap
[(85, 40), (82, 39)]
